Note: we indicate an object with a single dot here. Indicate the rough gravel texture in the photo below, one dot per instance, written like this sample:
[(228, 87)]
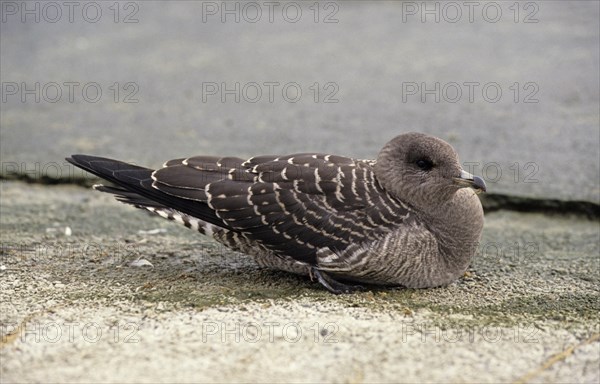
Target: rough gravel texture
[(90, 308)]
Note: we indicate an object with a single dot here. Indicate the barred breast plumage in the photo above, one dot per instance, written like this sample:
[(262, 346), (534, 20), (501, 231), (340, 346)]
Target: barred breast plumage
[(403, 219)]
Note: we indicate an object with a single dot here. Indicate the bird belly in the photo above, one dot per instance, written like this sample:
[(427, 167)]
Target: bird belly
[(407, 258)]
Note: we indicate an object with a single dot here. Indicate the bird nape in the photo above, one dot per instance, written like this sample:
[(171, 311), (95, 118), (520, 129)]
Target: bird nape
[(409, 218)]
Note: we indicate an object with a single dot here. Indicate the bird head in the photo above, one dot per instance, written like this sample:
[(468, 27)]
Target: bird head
[(422, 170)]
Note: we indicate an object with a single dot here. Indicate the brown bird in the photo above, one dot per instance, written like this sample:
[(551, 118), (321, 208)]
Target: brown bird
[(409, 218)]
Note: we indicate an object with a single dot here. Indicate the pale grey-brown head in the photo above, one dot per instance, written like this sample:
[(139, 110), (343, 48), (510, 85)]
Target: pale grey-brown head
[(423, 171)]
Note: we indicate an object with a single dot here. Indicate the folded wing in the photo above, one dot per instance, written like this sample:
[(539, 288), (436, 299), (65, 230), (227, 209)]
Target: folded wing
[(293, 205)]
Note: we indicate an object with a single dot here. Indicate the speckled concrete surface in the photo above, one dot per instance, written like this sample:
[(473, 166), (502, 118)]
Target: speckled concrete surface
[(129, 297)]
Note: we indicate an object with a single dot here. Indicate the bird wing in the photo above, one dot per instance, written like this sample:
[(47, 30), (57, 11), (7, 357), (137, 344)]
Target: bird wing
[(134, 186), (293, 205)]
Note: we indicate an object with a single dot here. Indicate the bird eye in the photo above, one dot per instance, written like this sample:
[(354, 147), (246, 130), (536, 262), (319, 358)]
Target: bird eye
[(424, 164)]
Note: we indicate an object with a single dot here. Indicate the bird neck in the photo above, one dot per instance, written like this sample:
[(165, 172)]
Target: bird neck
[(457, 225)]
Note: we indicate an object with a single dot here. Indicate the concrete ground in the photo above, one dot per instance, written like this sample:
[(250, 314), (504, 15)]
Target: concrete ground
[(132, 298), (95, 291)]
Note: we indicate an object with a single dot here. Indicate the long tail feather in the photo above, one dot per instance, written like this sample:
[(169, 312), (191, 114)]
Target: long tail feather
[(135, 187)]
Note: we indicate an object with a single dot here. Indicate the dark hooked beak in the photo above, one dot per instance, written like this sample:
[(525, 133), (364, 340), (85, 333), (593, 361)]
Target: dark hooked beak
[(467, 180)]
